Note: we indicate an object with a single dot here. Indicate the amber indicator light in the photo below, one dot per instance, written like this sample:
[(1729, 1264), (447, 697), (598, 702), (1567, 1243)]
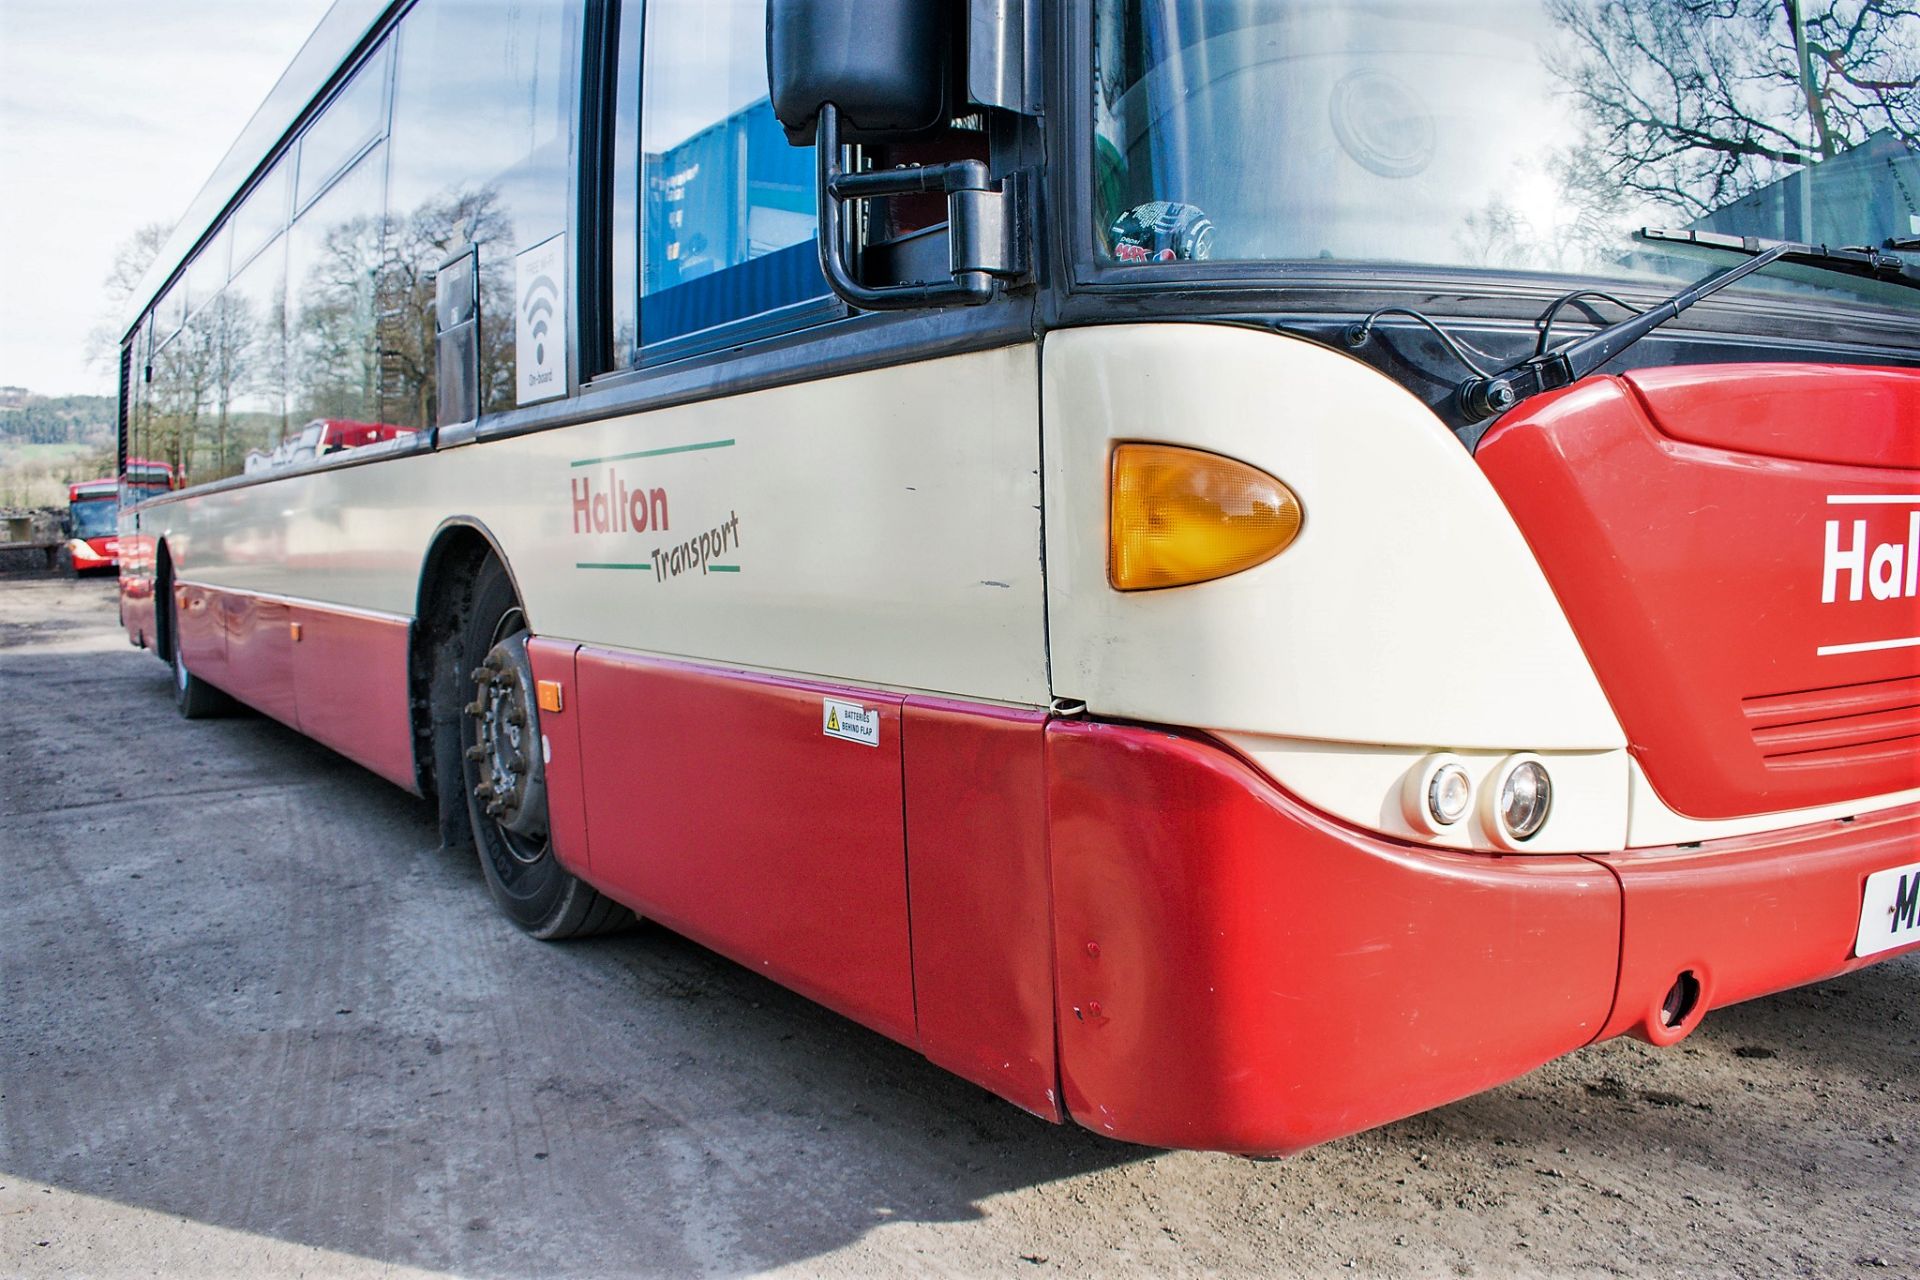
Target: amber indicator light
[(1181, 516)]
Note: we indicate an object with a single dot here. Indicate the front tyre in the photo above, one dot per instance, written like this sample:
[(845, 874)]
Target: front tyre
[(193, 697), (503, 772)]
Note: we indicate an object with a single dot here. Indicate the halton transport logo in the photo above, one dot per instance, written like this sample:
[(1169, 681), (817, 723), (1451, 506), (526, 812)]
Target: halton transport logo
[(1872, 551), (613, 498)]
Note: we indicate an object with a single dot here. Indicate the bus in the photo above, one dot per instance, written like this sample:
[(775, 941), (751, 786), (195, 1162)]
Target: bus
[(1229, 572), (93, 520)]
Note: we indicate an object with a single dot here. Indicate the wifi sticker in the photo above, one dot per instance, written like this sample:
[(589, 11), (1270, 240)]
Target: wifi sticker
[(540, 322)]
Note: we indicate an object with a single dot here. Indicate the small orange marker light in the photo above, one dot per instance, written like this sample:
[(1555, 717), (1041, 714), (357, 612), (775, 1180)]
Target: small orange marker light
[(548, 692), (294, 627), (1180, 516)]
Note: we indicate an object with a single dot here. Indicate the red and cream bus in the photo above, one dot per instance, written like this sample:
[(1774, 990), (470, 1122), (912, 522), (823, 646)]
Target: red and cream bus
[(1228, 571)]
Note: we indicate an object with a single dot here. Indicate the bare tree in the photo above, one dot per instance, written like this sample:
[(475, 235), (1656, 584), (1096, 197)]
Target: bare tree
[(1694, 104), (130, 262)]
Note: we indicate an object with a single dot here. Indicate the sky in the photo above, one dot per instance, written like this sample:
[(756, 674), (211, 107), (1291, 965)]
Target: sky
[(112, 115)]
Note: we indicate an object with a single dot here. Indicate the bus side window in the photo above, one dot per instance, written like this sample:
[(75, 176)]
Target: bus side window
[(482, 119), (727, 210)]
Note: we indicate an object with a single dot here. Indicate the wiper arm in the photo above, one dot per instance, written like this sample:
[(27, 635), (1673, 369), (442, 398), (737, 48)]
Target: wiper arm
[(1482, 398)]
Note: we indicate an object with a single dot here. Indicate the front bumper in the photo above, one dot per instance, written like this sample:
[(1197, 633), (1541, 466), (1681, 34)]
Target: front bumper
[(1238, 972)]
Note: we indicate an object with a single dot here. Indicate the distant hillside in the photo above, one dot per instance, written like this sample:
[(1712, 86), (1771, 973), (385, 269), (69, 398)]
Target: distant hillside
[(26, 418), (48, 442)]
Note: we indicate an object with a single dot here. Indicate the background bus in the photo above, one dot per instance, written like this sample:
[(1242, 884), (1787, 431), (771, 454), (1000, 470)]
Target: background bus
[(93, 520)]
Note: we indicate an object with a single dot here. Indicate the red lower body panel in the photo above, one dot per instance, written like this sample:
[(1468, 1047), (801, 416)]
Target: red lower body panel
[(717, 804), (350, 674), (259, 669), (552, 661), (339, 676), (982, 915)]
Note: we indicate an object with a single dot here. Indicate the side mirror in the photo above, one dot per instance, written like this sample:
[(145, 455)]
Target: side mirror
[(886, 64), (845, 71)]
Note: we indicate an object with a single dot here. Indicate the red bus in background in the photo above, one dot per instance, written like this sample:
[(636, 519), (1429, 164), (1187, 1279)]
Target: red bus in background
[(318, 439), (143, 478), (93, 519)]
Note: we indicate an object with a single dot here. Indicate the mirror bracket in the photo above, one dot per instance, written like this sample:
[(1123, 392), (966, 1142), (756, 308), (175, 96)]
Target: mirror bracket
[(986, 227)]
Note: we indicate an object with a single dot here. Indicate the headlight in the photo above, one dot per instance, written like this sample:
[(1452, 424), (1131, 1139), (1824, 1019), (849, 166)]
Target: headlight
[(1520, 799)]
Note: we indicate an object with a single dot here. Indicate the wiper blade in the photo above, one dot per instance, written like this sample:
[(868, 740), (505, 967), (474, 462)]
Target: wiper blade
[(1853, 259), (1482, 398)]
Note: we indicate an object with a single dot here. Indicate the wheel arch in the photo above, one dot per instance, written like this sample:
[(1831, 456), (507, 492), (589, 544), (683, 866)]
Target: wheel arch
[(163, 601), (443, 598)]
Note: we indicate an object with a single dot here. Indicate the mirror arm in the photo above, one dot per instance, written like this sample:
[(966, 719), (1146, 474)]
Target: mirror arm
[(984, 236)]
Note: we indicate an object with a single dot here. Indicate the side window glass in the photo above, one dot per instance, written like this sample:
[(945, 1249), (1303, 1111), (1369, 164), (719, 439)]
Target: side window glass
[(334, 258), (355, 117), (207, 273), (263, 214), (257, 310), (482, 129), (729, 219)]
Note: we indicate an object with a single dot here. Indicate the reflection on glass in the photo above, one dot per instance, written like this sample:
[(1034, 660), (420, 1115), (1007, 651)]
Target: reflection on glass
[(262, 215), (1524, 135), (730, 218), (259, 292), (207, 273), (481, 128), (333, 265), (353, 119)]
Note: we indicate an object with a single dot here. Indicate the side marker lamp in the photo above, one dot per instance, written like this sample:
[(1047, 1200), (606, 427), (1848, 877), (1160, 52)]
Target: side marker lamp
[(1179, 516)]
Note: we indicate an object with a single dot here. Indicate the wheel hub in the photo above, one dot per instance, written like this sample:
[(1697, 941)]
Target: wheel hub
[(510, 783)]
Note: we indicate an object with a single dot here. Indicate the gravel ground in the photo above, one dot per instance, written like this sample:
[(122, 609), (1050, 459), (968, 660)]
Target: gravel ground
[(254, 1022)]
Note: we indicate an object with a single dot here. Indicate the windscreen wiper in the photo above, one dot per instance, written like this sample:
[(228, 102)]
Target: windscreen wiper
[(1483, 397)]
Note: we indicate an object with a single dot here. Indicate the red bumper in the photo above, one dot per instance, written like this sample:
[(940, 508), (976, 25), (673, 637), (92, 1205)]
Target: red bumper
[(100, 554), (1238, 972)]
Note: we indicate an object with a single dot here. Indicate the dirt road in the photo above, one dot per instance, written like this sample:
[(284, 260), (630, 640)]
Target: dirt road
[(254, 1022)]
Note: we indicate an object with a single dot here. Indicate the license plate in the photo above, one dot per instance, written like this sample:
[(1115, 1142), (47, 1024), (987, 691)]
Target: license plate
[(1890, 912)]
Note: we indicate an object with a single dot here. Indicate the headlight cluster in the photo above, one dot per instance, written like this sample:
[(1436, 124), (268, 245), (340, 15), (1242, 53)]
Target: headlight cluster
[(1515, 799)]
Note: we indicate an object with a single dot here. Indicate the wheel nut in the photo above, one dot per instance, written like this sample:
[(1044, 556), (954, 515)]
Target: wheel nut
[(476, 753), (476, 708)]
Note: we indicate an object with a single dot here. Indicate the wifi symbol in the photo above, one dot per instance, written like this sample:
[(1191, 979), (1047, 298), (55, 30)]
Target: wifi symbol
[(538, 310)]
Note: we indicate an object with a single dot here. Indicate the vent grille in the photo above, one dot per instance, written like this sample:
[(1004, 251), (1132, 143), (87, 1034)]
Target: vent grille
[(1870, 725)]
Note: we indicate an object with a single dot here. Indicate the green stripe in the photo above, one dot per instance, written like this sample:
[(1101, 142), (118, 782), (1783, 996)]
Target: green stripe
[(591, 565), (723, 568), (654, 453)]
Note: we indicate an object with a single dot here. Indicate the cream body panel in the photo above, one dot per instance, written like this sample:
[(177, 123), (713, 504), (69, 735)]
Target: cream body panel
[(888, 528), (1409, 612), (1363, 786)]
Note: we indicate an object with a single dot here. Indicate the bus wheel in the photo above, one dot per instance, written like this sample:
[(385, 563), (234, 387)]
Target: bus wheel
[(193, 697), (504, 775)]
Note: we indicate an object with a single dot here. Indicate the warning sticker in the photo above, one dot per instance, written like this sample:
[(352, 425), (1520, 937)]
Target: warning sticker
[(851, 721)]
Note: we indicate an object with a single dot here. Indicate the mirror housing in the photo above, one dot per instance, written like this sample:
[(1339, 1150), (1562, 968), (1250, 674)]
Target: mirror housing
[(885, 64)]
